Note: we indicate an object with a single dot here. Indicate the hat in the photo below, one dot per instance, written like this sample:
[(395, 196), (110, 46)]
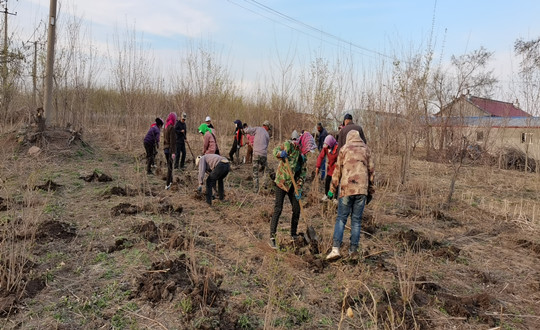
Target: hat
[(347, 116), (159, 122), (294, 135), (184, 115), (266, 123), (208, 118), (197, 160)]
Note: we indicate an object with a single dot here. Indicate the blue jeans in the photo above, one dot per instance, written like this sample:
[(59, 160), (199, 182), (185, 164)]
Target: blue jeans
[(353, 205), (323, 168)]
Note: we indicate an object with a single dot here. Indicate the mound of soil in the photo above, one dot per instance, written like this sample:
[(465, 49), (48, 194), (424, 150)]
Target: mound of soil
[(125, 208), (166, 279), (534, 247), (96, 176), (3, 204), (53, 230), (48, 186), (415, 241)]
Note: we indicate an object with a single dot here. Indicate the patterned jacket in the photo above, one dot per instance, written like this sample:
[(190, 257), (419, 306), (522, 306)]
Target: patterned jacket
[(297, 163), (354, 168)]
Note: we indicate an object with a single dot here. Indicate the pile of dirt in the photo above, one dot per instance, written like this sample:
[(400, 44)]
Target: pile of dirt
[(54, 230), (48, 186), (125, 208), (96, 176)]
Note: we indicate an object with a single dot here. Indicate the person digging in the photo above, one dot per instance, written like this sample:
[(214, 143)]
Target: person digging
[(292, 154), (218, 167), (354, 177)]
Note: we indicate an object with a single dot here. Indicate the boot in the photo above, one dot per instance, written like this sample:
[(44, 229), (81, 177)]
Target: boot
[(334, 254), (273, 244)]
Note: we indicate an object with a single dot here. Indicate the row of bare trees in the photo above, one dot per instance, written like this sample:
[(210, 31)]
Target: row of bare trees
[(121, 85)]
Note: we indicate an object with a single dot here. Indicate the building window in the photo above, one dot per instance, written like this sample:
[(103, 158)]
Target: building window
[(479, 136), (526, 138)]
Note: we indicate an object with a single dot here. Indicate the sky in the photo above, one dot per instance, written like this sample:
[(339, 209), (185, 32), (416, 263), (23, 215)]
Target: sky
[(254, 36)]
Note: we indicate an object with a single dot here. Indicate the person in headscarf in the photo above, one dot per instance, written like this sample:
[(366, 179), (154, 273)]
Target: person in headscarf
[(169, 146), (329, 151), (210, 145)]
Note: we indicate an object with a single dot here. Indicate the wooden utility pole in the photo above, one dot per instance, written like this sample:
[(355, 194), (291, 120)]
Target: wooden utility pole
[(51, 36), (34, 77), (5, 59)]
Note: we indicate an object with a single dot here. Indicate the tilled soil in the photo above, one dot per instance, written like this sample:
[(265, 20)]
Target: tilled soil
[(126, 253)]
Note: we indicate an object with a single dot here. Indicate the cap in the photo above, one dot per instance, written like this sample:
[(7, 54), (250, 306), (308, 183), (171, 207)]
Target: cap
[(208, 118), (184, 115), (347, 116), (266, 123)]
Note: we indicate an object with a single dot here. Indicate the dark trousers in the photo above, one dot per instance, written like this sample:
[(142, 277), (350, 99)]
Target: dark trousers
[(278, 207), (168, 157), (150, 156), (180, 149), (217, 175), (327, 182), (234, 150)]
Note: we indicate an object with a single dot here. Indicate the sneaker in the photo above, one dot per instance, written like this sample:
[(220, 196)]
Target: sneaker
[(272, 243), (324, 199), (333, 255), (167, 187)]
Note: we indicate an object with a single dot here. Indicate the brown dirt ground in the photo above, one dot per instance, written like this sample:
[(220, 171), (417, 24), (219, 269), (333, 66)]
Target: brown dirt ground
[(127, 253)]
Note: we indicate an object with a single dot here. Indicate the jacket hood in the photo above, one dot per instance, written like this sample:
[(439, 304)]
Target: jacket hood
[(203, 128), (353, 136)]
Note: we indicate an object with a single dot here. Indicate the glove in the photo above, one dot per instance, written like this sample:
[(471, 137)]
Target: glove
[(330, 194), (199, 189), (298, 196), (369, 197), (283, 155)]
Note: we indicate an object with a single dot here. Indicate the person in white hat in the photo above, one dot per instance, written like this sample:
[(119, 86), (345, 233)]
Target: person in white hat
[(208, 122)]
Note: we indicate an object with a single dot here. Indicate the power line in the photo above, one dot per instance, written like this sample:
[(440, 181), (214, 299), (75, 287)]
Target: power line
[(306, 26)]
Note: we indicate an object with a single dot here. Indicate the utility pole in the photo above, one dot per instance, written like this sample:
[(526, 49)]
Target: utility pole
[(5, 59), (51, 36), (34, 77)]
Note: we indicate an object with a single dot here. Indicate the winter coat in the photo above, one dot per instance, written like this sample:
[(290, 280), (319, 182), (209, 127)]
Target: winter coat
[(169, 139), (354, 169), (152, 137), (297, 163), (260, 140), (320, 141), (179, 127), (332, 154), (342, 137)]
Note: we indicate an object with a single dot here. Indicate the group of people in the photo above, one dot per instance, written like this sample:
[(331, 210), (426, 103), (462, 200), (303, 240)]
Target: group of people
[(344, 162)]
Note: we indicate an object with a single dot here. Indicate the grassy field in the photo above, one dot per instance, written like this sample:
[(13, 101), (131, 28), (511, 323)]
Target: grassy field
[(128, 254)]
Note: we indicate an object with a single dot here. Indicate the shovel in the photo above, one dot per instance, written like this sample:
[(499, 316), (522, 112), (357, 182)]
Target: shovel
[(191, 152), (311, 236)]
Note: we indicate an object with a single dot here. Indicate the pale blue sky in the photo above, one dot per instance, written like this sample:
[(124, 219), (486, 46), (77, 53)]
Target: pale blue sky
[(250, 36)]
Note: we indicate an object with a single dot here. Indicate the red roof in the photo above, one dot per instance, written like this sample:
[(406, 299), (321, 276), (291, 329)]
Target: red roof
[(497, 108)]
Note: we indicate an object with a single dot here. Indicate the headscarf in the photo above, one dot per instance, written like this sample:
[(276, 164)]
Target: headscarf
[(330, 141), (203, 128), (171, 119), (306, 142)]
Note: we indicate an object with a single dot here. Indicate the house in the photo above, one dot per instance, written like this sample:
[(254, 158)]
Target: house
[(495, 125), (471, 106)]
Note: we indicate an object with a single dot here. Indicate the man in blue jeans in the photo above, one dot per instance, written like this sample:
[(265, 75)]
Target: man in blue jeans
[(354, 176)]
